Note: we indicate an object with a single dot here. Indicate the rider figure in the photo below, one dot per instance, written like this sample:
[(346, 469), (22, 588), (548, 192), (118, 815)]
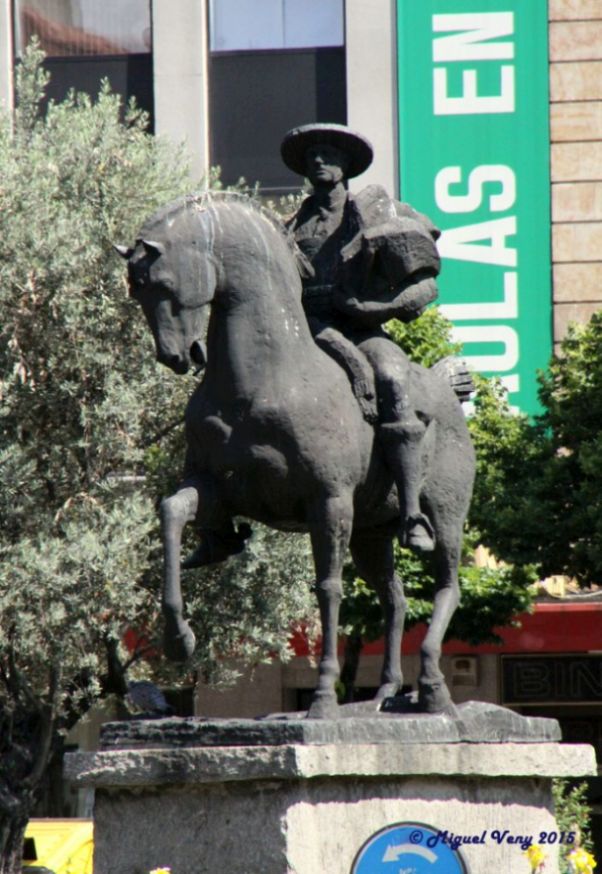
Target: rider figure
[(373, 259)]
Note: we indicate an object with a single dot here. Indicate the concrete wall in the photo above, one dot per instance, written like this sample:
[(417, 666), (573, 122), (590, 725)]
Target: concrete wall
[(370, 43), (6, 55), (272, 688), (180, 55), (258, 692), (576, 159)]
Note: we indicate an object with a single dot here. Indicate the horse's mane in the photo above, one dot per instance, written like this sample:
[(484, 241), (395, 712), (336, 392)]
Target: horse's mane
[(204, 200)]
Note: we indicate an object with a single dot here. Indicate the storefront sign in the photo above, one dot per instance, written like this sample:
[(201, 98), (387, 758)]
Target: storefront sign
[(551, 679), (474, 156)]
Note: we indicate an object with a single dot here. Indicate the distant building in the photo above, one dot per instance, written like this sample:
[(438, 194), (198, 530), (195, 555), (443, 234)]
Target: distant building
[(231, 76)]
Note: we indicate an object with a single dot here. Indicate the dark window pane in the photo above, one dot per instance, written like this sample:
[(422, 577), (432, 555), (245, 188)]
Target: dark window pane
[(129, 75), (255, 97)]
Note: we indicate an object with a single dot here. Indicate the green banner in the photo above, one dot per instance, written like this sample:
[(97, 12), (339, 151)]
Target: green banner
[(474, 156)]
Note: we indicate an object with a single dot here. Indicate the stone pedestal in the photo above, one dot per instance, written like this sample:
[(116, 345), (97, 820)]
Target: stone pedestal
[(302, 797)]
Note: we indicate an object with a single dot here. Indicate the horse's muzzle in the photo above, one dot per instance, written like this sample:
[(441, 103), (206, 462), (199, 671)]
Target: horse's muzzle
[(176, 363)]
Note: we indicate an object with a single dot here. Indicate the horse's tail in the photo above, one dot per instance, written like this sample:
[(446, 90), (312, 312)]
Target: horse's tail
[(455, 372)]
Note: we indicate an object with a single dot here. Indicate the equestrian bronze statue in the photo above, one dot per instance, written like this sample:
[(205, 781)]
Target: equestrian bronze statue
[(292, 426)]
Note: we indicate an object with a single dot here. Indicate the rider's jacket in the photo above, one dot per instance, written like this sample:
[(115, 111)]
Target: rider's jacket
[(365, 270)]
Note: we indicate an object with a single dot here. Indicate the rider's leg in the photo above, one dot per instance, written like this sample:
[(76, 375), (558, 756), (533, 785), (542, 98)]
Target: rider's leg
[(402, 443), (401, 433)]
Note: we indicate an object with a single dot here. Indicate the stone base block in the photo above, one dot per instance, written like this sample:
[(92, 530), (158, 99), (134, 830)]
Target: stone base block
[(309, 808)]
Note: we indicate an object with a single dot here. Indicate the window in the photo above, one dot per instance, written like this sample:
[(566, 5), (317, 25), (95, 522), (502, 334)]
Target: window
[(84, 27), (249, 25), (274, 64), (88, 40)]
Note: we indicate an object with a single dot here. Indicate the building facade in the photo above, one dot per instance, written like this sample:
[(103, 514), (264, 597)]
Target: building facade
[(228, 78)]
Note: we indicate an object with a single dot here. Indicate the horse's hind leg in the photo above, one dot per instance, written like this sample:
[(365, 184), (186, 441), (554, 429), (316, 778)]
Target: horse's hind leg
[(176, 511), (372, 552), (330, 530), (433, 694)]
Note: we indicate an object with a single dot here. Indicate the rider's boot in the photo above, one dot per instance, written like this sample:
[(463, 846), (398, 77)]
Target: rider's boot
[(402, 442), (217, 546)]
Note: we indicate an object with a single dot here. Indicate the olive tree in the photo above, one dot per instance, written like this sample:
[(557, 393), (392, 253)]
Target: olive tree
[(91, 437)]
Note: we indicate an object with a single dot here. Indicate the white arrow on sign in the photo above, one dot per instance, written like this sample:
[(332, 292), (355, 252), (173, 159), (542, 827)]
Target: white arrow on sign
[(392, 853)]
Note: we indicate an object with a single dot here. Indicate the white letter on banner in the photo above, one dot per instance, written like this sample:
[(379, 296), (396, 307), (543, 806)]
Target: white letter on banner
[(469, 45), (468, 312), (470, 103), (506, 360), (460, 243), (512, 384), (478, 177)]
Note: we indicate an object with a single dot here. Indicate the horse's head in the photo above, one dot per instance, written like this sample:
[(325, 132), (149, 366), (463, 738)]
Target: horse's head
[(172, 275)]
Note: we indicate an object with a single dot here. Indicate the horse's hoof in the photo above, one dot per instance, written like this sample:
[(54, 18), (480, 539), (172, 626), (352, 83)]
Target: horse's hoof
[(435, 698), (179, 647), (387, 690), (448, 709), (323, 707)]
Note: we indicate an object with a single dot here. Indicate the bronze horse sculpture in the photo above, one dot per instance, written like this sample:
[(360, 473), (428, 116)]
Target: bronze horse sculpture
[(275, 434)]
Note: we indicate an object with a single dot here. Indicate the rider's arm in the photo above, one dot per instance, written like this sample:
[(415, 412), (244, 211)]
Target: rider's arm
[(408, 301), (388, 272)]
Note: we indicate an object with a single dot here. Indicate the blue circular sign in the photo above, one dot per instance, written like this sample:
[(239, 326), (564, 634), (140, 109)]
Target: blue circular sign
[(408, 848)]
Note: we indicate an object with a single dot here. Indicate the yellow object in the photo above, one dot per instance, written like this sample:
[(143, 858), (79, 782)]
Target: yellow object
[(582, 861), (536, 857), (65, 846)]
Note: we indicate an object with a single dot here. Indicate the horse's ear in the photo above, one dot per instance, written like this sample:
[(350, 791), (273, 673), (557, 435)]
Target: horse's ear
[(153, 248), (123, 251)]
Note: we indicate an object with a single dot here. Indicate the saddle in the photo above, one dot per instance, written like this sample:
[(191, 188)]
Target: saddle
[(451, 370)]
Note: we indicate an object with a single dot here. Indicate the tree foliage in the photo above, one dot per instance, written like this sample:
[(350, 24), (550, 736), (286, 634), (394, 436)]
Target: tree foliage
[(425, 340), (542, 501), (248, 608), (80, 399), (573, 814), (90, 435)]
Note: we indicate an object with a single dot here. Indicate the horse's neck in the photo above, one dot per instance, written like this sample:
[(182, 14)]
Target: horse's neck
[(258, 334)]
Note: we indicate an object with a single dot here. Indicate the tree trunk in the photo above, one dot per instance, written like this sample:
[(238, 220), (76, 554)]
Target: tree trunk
[(351, 660), (26, 733), (12, 832)]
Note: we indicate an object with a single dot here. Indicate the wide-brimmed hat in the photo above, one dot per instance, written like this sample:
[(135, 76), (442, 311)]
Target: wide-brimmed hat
[(298, 140)]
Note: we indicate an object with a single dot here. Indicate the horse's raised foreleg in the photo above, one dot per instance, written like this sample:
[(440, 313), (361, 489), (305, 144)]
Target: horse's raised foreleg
[(372, 552), (330, 530), (176, 511), (433, 694)]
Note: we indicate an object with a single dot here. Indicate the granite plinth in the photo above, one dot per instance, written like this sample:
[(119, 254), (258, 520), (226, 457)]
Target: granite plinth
[(476, 722), (295, 796), (230, 764)]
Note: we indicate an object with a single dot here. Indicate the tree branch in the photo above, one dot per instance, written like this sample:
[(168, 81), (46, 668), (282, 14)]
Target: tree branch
[(47, 718)]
